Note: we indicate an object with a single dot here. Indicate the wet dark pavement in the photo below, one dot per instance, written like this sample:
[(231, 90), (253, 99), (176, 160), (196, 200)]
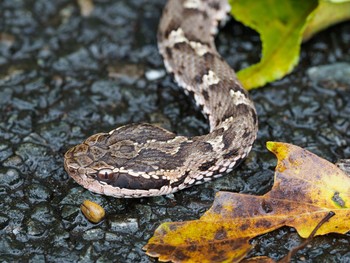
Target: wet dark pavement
[(65, 76)]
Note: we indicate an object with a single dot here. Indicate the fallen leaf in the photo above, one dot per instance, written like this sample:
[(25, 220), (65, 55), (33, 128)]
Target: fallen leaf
[(306, 189), (327, 14), (282, 26)]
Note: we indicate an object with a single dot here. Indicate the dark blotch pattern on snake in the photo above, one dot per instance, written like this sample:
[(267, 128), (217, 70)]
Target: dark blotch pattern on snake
[(145, 160)]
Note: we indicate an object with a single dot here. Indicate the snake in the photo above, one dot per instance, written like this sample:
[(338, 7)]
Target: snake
[(140, 160)]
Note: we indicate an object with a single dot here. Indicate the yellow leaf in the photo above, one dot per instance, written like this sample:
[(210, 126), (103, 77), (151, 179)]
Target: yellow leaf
[(305, 190), (316, 184)]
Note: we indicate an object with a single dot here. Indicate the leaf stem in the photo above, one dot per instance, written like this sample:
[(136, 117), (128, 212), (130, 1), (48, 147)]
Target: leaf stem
[(292, 252)]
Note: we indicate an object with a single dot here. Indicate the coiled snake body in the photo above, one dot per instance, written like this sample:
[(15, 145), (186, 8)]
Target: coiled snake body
[(144, 160)]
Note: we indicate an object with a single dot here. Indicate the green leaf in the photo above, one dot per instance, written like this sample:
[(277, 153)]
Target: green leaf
[(280, 25), (327, 13), (338, 1)]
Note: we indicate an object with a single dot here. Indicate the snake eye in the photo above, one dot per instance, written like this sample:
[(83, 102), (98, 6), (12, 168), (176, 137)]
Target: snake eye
[(105, 174)]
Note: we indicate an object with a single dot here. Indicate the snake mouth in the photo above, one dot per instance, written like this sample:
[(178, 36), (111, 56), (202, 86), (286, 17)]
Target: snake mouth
[(128, 181), (125, 186)]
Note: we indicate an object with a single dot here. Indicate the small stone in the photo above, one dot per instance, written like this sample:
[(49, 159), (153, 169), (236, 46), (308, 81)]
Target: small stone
[(37, 258), (69, 212), (154, 74), (128, 225), (5, 151), (13, 161), (113, 237), (35, 228), (86, 7), (336, 72), (93, 234), (38, 193), (43, 213), (10, 178), (4, 220)]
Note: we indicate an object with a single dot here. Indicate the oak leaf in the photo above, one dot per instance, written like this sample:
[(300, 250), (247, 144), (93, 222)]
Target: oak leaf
[(306, 189)]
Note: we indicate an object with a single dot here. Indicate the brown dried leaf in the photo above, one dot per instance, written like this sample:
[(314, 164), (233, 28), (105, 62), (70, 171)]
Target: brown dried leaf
[(306, 189)]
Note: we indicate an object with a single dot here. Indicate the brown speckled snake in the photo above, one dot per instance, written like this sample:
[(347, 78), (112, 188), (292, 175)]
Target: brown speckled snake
[(145, 160)]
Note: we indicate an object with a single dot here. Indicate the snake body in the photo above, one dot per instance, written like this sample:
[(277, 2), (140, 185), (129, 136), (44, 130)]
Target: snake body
[(145, 160)]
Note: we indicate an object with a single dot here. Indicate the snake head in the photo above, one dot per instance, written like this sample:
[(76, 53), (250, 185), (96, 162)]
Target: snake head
[(125, 162)]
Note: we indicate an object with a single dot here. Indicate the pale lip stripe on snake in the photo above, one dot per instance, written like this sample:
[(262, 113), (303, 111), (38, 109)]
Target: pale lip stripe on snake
[(145, 160)]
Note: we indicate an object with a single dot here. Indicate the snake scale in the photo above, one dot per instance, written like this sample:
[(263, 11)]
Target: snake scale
[(139, 160)]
